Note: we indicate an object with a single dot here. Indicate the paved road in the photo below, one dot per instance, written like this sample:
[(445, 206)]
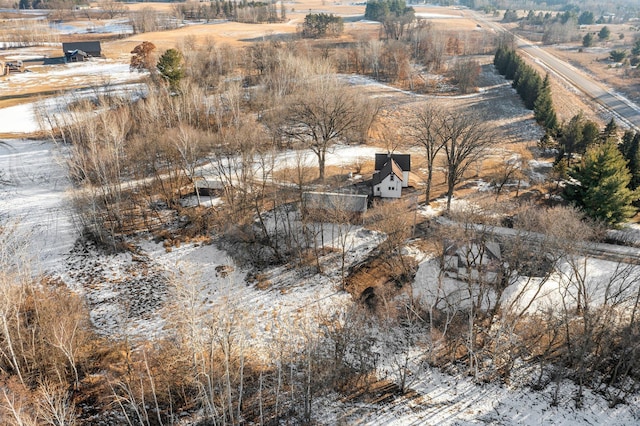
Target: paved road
[(623, 109)]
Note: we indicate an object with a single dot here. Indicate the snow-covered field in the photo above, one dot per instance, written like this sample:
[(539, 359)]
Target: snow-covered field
[(33, 197)]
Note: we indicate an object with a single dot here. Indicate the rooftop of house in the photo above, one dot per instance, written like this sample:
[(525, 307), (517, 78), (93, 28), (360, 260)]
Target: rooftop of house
[(86, 46), (402, 160), (390, 167)]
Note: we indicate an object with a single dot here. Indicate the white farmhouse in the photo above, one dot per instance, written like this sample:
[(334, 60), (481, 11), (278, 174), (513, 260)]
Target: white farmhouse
[(391, 175)]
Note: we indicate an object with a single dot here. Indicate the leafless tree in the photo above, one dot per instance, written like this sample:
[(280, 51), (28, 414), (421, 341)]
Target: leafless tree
[(465, 138), (426, 131), (465, 74), (322, 116)]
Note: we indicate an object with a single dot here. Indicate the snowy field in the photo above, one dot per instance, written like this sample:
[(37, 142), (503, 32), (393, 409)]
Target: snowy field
[(33, 198)]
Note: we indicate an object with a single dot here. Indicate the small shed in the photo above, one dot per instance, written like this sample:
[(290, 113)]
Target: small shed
[(76, 56), (331, 206), (87, 49)]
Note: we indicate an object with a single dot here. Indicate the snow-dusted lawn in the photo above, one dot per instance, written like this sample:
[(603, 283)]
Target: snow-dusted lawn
[(455, 400), (33, 187), (23, 118), (102, 75)]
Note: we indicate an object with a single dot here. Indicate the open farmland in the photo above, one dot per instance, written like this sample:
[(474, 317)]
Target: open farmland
[(234, 304)]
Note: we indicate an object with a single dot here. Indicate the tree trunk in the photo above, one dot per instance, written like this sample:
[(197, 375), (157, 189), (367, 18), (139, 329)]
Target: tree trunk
[(321, 166), (428, 190)]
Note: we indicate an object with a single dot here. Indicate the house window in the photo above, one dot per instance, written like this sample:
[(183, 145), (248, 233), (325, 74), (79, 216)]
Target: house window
[(392, 178), (391, 188)]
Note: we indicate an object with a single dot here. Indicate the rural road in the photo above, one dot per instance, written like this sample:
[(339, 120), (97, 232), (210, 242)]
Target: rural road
[(624, 110)]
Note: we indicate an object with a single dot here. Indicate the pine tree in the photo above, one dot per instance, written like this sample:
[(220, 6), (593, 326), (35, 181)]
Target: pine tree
[(630, 149), (604, 33), (577, 135), (543, 110), (601, 185), (170, 66)]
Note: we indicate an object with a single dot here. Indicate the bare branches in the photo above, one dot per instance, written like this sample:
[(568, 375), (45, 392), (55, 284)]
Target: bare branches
[(327, 113)]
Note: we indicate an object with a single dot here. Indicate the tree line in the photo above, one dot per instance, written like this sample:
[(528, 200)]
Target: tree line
[(534, 91)]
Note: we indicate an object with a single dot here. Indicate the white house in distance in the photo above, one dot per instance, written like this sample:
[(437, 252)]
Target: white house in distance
[(391, 175)]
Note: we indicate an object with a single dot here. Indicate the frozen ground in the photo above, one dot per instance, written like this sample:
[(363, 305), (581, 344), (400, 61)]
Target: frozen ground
[(101, 75), (127, 295), (442, 399), (33, 187)]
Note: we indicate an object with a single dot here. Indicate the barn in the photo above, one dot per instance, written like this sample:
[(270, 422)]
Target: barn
[(79, 51)]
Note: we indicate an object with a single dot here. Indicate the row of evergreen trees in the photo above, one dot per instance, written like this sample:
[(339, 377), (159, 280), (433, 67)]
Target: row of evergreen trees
[(534, 91), (605, 182), (243, 11)]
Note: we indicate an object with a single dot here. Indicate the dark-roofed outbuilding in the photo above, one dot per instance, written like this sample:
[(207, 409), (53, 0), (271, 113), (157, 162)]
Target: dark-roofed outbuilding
[(88, 49)]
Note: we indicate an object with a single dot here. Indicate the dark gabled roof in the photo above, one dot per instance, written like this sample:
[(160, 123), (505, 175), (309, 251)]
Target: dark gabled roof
[(356, 203), (403, 160), (90, 47), (388, 168)]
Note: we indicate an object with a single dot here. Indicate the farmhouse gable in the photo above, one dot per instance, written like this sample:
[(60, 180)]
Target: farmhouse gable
[(391, 175)]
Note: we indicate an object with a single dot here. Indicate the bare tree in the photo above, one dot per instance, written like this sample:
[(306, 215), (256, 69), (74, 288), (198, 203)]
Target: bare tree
[(465, 141), (465, 73), (322, 116), (426, 131)]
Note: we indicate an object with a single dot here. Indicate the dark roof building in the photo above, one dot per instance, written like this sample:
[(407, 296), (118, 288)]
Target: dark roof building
[(390, 167), (356, 203), (402, 160), (88, 48)]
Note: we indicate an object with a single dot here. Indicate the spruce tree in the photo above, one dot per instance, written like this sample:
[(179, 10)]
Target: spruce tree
[(543, 110), (601, 185), (630, 149), (610, 131), (170, 66)]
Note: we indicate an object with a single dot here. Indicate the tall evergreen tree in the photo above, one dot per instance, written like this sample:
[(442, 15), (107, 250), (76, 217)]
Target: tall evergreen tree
[(171, 67), (543, 110), (577, 135), (630, 149), (601, 185)]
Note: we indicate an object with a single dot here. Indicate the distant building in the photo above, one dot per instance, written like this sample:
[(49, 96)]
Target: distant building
[(391, 175), (79, 51), (7, 68)]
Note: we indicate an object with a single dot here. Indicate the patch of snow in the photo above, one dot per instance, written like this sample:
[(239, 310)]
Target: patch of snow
[(33, 194)]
